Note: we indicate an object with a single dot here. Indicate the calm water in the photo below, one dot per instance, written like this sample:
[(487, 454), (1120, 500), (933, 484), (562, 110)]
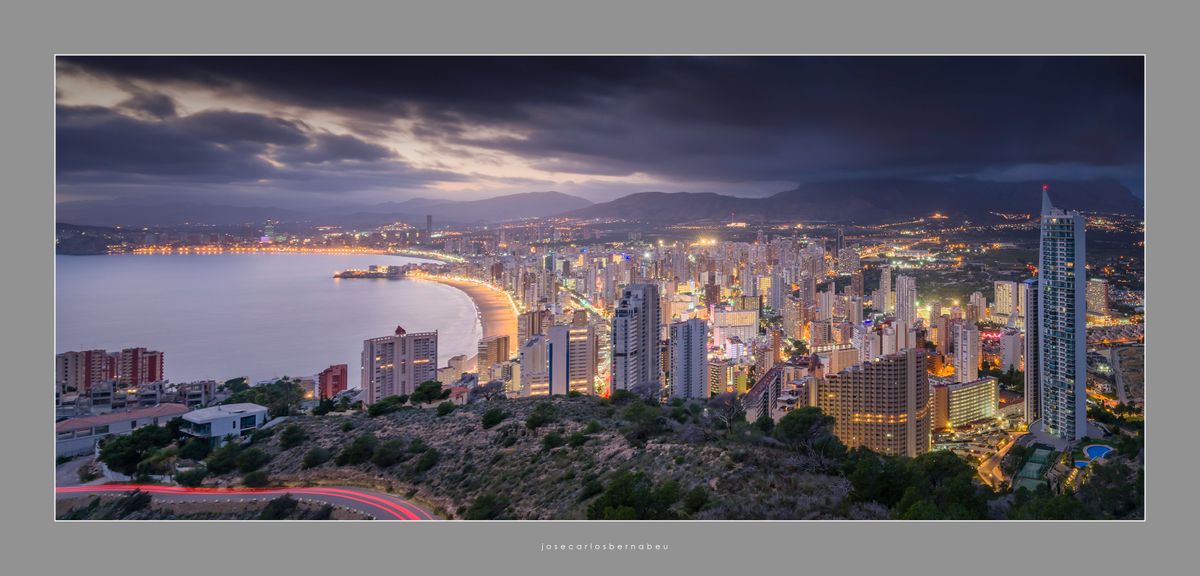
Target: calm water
[(257, 315)]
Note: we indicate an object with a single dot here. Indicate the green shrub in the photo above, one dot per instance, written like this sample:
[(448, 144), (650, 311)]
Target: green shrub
[(428, 460), (252, 459), (577, 439), (292, 436), (387, 405), (486, 507), (359, 451), (256, 479), (224, 459), (347, 426), (196, 449), (388, 453), (445, 408), (493, 417), (552, 440), (695, 500), (191, 478), (316, 456), (544, 413)]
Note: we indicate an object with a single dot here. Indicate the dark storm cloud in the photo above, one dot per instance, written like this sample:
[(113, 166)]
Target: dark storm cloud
[(104, 152), (152, 104), (715, 119)]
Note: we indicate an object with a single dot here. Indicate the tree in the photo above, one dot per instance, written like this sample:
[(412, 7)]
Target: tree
[(727, 409), (634, 496), (124, 453), (292, 436), (426, 392), (445, 408), (810, 431), (223, 459), (196, 449), (695, 500), (493, 390), (387, 405), (765, 423)]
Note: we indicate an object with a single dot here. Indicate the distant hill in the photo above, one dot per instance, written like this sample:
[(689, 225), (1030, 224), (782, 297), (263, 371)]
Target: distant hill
[(497, 209), (868, 201)]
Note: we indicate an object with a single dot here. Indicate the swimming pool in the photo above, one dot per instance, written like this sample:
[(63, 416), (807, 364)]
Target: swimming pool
[(1097, 451)]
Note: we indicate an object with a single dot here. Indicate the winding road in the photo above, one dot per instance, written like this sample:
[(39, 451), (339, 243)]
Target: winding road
[(377, 505)]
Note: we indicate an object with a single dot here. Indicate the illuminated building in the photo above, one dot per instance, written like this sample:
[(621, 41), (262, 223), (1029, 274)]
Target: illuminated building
[(1010, 349), (742, 324), (492, 351), (1097, 297), (1033, 348), (688, 374), (635, 339), (1062, 322), (966, 353), (534, 368), (1005, 304), (395, 365), (906, 299), (571, 350), (961, 403), (883, 404)]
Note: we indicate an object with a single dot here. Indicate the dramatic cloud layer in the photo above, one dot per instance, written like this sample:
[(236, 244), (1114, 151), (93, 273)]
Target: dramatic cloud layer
[(369, 129)]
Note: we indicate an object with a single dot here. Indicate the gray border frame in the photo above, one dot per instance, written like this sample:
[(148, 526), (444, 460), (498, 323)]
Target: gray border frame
[(31, 37)]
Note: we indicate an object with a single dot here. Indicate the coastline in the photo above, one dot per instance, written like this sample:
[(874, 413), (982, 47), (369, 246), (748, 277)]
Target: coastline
[(495, 309)]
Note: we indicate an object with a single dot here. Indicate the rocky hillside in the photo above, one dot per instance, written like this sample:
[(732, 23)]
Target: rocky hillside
[(570, 458)]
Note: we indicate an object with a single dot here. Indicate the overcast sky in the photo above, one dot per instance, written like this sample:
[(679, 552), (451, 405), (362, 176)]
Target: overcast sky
[(323, 131)]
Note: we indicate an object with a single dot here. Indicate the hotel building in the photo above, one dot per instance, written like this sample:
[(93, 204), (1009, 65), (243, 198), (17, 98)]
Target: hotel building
[(396, 364)]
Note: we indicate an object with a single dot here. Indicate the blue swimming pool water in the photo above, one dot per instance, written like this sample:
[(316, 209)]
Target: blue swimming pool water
[(1081, 463), (1097, 451)]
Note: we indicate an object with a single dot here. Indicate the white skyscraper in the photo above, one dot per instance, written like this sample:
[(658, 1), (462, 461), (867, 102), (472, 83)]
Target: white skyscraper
[(535, 367), (906, 299), (1010, 349), (1006, 299), (689, 359), (635, 354), (395, 365), (966, 354), (1062, 322)]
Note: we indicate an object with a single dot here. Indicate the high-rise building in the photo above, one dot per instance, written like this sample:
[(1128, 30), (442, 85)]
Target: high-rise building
[(571, 350), (883, 404), (492, 351), (966, 354), (137, 366), (1006, 300), (635, 340), (1010, 349), (1062, 322), (1033, 348), (535, 367), (688, 345), (428, 227), (885, 289), (333, 380), (80, 370), (906, 299), (396, 364), (962, 403), (1097, 297)]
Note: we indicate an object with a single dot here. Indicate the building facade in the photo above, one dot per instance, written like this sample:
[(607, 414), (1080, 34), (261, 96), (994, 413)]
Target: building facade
[(1062, 322), (883, 404), (396, 364)]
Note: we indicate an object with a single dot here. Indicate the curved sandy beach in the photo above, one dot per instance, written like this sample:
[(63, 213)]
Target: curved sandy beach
[(496, 312)]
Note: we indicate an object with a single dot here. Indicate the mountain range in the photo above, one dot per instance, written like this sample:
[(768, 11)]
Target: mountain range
[(858, 201)]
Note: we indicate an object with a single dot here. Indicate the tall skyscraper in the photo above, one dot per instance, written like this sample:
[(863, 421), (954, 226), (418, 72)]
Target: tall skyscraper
[(883, 404), (492, 351), (906, 299), (885, 288), (137, 366), (535, 367), (689, 359), (396, 364), (635, 350), (1033, 349), (428, 227), (1062, 322), (966, 354), (571, 350)]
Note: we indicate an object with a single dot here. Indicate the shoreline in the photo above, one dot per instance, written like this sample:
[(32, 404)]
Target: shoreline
[(493, 307)]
